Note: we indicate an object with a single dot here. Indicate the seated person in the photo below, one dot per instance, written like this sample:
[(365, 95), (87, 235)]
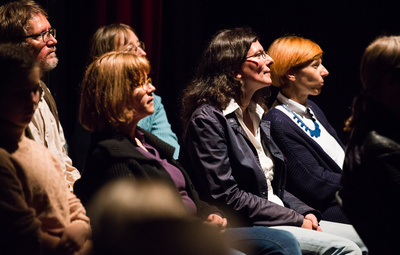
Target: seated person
[(25, 22), (311, 146), (228, 151), (123, 38), (371, 170), (38, 212), (115, 96)]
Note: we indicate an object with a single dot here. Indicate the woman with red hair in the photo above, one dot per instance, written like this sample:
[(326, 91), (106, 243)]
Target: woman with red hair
[(311, 146)]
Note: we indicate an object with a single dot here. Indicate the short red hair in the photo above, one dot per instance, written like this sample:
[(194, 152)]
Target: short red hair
[(290, 52)]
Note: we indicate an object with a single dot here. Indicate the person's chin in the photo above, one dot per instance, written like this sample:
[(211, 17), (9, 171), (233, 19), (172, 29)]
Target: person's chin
[(50, 64)]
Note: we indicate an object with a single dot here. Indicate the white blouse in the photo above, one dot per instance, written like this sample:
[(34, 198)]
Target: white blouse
[(256, 112)]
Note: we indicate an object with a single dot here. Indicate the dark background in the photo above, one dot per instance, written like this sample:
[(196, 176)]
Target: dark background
[(176, 32)]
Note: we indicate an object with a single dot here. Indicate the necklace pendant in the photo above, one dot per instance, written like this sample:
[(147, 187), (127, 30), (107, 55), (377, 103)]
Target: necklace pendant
[(313, 133)]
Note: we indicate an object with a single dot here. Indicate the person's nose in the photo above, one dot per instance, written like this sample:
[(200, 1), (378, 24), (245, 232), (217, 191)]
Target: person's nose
[(150, 88), (34, 97), (268, 60), (52, 41), (324, 72), (141, 52)]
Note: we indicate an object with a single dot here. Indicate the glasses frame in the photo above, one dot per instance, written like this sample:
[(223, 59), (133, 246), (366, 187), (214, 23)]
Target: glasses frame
[(143, 83), (261, 54), (51, 31)]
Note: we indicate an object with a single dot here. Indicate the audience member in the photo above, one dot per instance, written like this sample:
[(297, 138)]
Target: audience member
[(39, 215), (115, 96), (25, 22), (371, 171), (311, 146), (228, 150), (129, 217), (123, 38)]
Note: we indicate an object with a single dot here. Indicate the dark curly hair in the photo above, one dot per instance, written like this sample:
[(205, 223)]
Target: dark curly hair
[(215, 82)]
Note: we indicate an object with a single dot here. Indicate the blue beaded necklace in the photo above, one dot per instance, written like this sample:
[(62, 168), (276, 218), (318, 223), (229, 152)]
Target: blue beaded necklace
[(316, 132)]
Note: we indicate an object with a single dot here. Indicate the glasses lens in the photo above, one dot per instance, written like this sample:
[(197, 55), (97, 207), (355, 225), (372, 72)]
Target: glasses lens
[(46, 35)]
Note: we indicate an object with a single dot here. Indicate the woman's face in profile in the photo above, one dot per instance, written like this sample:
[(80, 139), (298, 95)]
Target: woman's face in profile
[(133, 45), (255, 72), (143, 99), (310, 78)]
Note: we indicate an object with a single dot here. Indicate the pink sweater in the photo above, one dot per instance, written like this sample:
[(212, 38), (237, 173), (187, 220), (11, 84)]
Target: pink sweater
[(34, 192)]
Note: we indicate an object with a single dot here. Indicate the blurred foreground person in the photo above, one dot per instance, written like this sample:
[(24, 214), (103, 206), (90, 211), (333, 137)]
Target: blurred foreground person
[(371, 172)]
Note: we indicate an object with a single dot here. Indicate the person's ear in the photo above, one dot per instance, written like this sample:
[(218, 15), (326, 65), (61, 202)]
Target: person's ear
[(290, 75), (238, 76)]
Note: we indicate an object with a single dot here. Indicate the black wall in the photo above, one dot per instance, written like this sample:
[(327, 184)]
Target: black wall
[(342, 28)]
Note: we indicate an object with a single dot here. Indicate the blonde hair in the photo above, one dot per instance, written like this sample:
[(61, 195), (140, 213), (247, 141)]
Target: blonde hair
[(107, 89), (109, 38), (291, 52)]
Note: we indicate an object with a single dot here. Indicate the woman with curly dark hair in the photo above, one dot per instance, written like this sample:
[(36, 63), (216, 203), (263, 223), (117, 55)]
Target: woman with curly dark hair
[(227, 148), (216, 83)]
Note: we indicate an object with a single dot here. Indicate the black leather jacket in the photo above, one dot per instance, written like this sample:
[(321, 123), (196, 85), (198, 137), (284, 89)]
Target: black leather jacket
[(371, 179)]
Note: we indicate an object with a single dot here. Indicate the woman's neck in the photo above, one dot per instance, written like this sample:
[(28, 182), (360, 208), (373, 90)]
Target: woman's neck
[(301, 99), (130, 130)]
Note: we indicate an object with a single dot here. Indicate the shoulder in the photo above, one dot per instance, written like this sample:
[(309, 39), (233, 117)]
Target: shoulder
[(376, 144), (276, 116), (114, 145), (5, 159), (27, 145), (207, 117), (207, 111)]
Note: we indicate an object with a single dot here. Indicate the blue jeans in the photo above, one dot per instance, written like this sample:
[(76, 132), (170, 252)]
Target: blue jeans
[(336, 238), (262, 240)]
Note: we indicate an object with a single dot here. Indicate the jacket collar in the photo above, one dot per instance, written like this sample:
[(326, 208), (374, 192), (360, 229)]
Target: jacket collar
[(234, 107), (123, 145)]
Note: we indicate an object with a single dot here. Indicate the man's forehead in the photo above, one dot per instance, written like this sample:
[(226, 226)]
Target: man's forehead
[(38, 23)]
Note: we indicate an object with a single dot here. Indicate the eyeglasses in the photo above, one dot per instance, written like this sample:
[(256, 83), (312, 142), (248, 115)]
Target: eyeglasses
[(45, 35), (143, 83), (136, 48), (258, 55)]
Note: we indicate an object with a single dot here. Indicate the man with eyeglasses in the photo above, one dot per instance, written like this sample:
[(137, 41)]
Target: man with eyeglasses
[(25, 22)]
